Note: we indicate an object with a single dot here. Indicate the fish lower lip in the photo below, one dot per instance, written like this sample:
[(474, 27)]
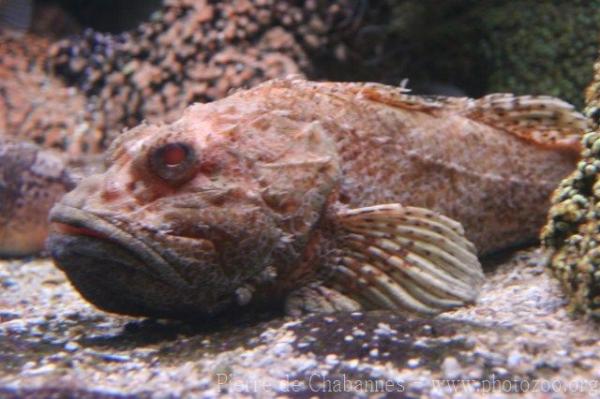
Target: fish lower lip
[(70, 221)]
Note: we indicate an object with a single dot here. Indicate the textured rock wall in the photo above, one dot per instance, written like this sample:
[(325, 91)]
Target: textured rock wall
[(523, 47), (189, 51)]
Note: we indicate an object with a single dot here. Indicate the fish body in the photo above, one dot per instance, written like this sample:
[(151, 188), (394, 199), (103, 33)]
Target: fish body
[(43, 175), (15, 16), (319, 196)]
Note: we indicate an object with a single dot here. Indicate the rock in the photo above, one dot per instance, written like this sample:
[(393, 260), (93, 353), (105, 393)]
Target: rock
[(79, 93), (485, 47), (572, 232), (451, 369)]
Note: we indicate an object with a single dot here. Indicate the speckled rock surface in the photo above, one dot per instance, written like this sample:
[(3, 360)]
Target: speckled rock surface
[(519, 337), (571, 233), (573, 229), (77, 94)]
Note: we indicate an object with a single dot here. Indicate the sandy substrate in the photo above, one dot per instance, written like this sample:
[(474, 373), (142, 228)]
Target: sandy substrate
[(518, 338)]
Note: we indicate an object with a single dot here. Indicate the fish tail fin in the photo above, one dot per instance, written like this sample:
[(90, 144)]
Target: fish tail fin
[(15, 16), (543, 120)]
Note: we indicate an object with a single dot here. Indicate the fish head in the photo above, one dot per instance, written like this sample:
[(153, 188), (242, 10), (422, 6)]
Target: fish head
[(188, 214)]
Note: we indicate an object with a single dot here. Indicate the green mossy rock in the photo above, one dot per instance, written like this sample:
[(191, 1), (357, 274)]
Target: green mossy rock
[(524, 47), (573, 230)]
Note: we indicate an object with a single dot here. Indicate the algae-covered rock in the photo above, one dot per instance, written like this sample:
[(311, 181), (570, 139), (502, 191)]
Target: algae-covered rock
[(542, 46), (573, 229), (524, 47)]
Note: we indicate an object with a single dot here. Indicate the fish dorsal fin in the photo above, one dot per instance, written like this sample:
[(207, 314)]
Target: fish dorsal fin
[(397, 257), (397, 97), (544, 120)]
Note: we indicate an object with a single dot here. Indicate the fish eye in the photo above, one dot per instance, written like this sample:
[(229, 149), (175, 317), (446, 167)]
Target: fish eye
[(173, 162)]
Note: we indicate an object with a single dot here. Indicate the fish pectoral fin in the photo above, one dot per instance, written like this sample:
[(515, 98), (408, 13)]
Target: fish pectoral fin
[(401, 257), (316, 298), (544, 120)]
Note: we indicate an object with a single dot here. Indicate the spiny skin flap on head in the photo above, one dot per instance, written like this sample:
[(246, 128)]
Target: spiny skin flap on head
[(397, 257), (544, 120)]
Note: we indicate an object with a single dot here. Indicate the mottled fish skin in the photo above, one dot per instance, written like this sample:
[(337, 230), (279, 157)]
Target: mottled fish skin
[(444, 158), (15, 16), (32, 180), (240, 200)]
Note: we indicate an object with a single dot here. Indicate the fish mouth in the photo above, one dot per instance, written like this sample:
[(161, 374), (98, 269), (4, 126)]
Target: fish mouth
[(112, 268), (70, 221)]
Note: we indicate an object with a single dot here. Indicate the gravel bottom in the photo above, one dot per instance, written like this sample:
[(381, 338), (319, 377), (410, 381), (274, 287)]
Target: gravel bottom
[(519, 337)]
